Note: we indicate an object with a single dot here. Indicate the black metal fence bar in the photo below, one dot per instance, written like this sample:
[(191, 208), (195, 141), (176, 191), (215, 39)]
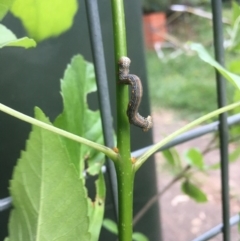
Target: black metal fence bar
[(190, 135), (102, 84), (218, 229), (223, 128)]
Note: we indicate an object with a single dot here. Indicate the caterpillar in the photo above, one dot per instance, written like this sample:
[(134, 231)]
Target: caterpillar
[(136, 95)]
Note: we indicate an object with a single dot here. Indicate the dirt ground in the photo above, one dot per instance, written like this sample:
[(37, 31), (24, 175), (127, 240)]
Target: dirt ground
[(182, 218)]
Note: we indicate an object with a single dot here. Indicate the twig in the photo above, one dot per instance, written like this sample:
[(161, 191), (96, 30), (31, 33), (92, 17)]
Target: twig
[(149, 204)]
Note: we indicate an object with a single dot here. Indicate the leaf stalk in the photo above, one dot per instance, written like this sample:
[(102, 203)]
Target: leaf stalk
[(141, 160), (107, 151)]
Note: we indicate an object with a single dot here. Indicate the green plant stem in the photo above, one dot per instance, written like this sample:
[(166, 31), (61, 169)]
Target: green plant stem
[(107, 151), (187, 127), (124, 167)]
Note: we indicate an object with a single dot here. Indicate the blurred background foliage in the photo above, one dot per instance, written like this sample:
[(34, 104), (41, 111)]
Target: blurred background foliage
[(178, 79)]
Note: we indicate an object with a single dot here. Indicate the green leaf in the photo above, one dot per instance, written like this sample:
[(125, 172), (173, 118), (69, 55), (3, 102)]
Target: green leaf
[(77, 83), (234, 66), (8, 38), (96, 209), (43, 18), (235, 11), (4, 7), (204, 55), (236, 97), (49, 198), (193, 191), (110, 226), (139, 237), (235, 36), (194, 158), (169, 156), (172, 157)]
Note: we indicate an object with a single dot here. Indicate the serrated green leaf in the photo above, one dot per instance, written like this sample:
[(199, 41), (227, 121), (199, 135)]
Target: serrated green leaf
[(139, 237), (4, 7), (8, 39), (193, 191), (96, 209), (77, 118), (49, 198), (204, 55), (43, 18), (194, 158), (110, 226)]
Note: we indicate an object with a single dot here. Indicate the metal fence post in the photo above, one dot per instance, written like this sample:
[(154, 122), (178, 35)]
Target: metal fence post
[(223, 127)]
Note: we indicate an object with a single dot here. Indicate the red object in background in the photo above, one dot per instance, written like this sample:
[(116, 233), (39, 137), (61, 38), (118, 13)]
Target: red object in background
[(154, 25)]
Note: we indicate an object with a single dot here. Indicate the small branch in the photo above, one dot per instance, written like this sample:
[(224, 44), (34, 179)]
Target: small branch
[(155, 198), (107, 151), (196, 11), (209, 146), (187, 127)]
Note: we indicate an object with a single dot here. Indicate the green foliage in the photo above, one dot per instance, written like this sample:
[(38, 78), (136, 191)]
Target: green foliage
[(193, 191), (169, 156), (96, 209), (233, 30), (203, 54), (173, 160), (43, 18), (234, 66), (139, 237), (185, 83), (8, 38), (49, 198), (195, 158), (154, 5), (110, 226), (4, 7), (235, 11), (179, 85), (77, 83), (48, 187)]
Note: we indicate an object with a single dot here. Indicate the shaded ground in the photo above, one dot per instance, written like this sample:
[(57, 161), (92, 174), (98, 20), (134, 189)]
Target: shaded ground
[(182, 218)]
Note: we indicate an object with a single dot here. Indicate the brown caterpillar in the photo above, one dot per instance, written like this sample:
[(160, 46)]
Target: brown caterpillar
[(136, 95)]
